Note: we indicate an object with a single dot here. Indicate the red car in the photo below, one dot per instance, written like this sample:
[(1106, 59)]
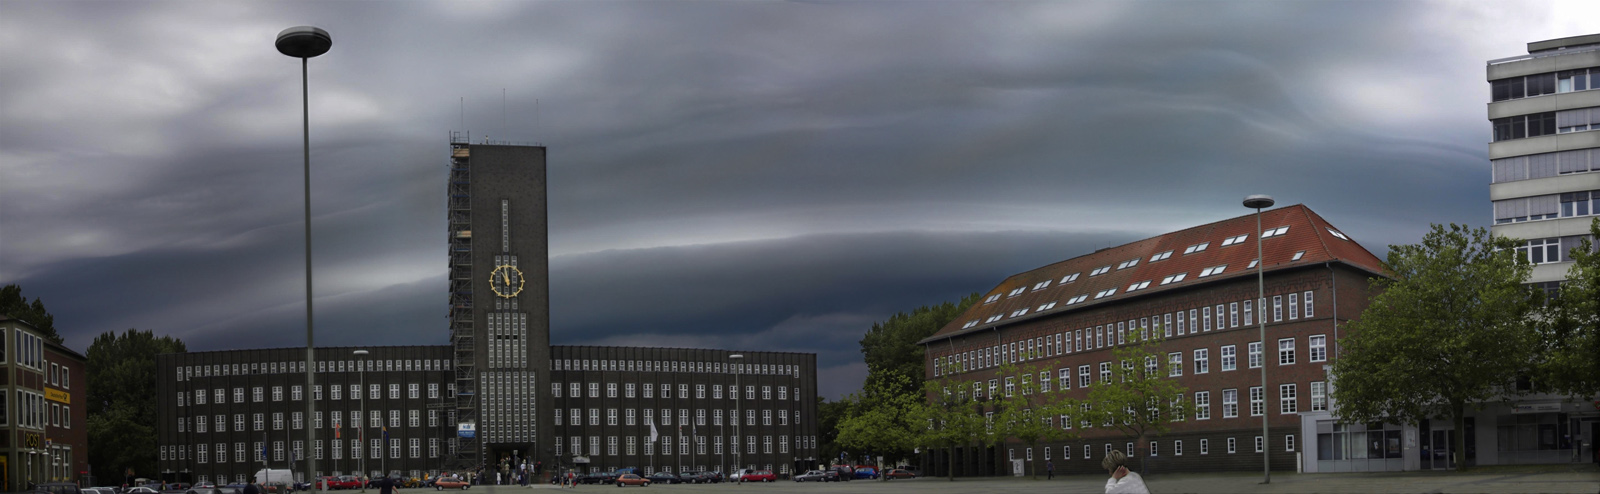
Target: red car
[(759, 476), (449, 483), (342, 482), (900, 474), (631, 479)]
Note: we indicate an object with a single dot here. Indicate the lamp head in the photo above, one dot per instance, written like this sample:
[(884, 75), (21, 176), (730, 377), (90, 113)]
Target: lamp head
[(304, 42), (1258, 201), (359, 352)]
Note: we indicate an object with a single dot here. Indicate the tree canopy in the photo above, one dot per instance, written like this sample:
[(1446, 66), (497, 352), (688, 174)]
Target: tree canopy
[(890, 347), (1449, 330), (1571, 343), (13, 304), (1141, 397), (122, 399)]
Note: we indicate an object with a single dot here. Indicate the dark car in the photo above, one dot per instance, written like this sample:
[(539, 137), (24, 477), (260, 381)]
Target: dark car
[(844, 472), (665, 478), (57, 488), (866, 473)]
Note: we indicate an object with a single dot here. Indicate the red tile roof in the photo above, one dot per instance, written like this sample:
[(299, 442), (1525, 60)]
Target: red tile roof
[(1307, 232)]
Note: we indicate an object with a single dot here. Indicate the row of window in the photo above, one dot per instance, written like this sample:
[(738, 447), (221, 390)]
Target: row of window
[(575, 445), (1549, 206), (575, 418), (1529, 86), (35, 411), (673, 366), (1546, 123), (258, 420), (1155, 449), (1545, 165), (1550, 250), (1198, 321), (1160, 256), (191, 371), (666, 391), (1288, 404), (335, 392), (259, 451), (29, 350)]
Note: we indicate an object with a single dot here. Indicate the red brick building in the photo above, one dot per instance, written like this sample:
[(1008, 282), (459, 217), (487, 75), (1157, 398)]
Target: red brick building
[(1198, 287), (46, 433)]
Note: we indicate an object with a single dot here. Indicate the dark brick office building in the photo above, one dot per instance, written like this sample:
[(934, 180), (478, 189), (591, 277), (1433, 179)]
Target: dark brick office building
[(1198, 287), (497, 390)]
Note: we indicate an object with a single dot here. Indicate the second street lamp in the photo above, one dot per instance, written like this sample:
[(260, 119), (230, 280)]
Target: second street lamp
[(361, 419), (1257, 202)]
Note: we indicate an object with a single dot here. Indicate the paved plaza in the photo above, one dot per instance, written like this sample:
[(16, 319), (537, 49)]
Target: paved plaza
[(1580, 479)]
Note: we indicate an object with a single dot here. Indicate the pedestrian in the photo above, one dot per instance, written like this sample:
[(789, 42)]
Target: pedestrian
[(1049, 470), (252, 488), (386, 485), (1122, 481)]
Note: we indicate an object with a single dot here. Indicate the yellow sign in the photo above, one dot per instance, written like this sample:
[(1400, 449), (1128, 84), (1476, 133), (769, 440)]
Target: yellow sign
[(32, 440), (57, 395)]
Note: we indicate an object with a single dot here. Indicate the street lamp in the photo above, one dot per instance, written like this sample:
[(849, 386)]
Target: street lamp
[(1258, 201), (304, 42), (361, 373), (737, 397)]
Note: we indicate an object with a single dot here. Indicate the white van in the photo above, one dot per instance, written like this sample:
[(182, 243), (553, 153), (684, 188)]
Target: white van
[(276, 480)]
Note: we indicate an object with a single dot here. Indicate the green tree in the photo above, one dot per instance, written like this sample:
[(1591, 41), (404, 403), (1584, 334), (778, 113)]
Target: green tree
[(122, 399), (829, 415), (1570, 345), (1141, 398), (885, 420), (1027, 414), (13, 304), (951, 418), (1449, 330), (891, 351)]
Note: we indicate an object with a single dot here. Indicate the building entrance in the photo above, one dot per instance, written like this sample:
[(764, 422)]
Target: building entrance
[(1438, 452)]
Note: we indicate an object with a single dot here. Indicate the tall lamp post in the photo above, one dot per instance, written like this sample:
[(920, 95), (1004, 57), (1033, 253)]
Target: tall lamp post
[(738, 395), (1257, 202), (304, 42), (361, 367)]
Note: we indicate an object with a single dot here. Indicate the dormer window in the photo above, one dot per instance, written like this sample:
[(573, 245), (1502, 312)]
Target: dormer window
[(1100, 270), (1016, 292), (1139, 286), (1128, 263), (969, 324), (1235, 240), (1019, 312), (1069, 278), (1337, 234), (1041, 285), (992, 318), (1045, 307), (1077, 299), (1253, 263), (1174, 278), (1161, 256), (1213, 270), (1196, 248), (991, 299), (1275, 232), (1105, 293)]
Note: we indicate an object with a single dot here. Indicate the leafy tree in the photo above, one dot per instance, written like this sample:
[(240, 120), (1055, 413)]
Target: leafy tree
[(891, 350), (1449, 330), (1027, 414), (13, 304), (122, 399), (951, 418), (829, 415), (1571, 345), (885, 422), (1141, 399)]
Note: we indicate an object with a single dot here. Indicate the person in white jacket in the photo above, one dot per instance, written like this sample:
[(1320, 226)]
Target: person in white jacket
[(1122, 481)]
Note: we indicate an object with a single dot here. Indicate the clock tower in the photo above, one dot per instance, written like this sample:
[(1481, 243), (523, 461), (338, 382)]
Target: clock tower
[(499, 299)]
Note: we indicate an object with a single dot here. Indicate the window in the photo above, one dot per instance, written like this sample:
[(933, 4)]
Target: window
[(1177, 448), (969, 324), (1213, 270), (1319, 396), (1105, 372), (1083, 376), (1161, 256), (1248, 320), (1174, 278), (1307, 297), (1153, 450), (1174, 364), (1288, 442), (1041, 285), (1128, 263), (1202, 360), (1319, 347), (1275, 232), (1541, 251), (1233, 315), (1258, 444), (1019, 312), (1287, 399), (1069, 278), (1229, 359), (1235, 240), (1232, 445), (1298, 255), (1294, 306), (1230, 403), (1077, 299), (1524, 126), (991, 298), (1206, 316), (1258, 401), (1105, 293), (1139, 286), (1255, 354), (1202, 405), (1017, 291), (1196, 248), (1286, 351), (1100, 270)]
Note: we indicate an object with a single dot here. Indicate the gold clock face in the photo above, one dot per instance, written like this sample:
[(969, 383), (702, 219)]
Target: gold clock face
[(506, 281)]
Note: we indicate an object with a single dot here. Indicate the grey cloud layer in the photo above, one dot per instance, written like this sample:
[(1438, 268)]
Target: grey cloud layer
[(722, 174)]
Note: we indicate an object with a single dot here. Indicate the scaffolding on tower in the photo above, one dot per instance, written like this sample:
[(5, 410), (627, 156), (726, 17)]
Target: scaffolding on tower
[(467, 451)]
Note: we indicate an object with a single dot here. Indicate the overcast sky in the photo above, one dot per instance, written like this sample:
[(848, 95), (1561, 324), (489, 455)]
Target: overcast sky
[(741, 175)]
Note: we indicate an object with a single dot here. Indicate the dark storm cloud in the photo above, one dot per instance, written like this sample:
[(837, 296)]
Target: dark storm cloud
[(734, 175)]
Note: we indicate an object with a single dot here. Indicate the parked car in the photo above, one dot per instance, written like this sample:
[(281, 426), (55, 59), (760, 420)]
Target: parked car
[(866, 472), (759, 476), (140, 490), (443, 483), (845, 472), (631, 479), (57, 488), (900, 473), (665, 478), (815, 476)]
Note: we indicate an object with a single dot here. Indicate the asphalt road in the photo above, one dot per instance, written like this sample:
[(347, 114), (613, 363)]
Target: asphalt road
[(1576, 479)]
